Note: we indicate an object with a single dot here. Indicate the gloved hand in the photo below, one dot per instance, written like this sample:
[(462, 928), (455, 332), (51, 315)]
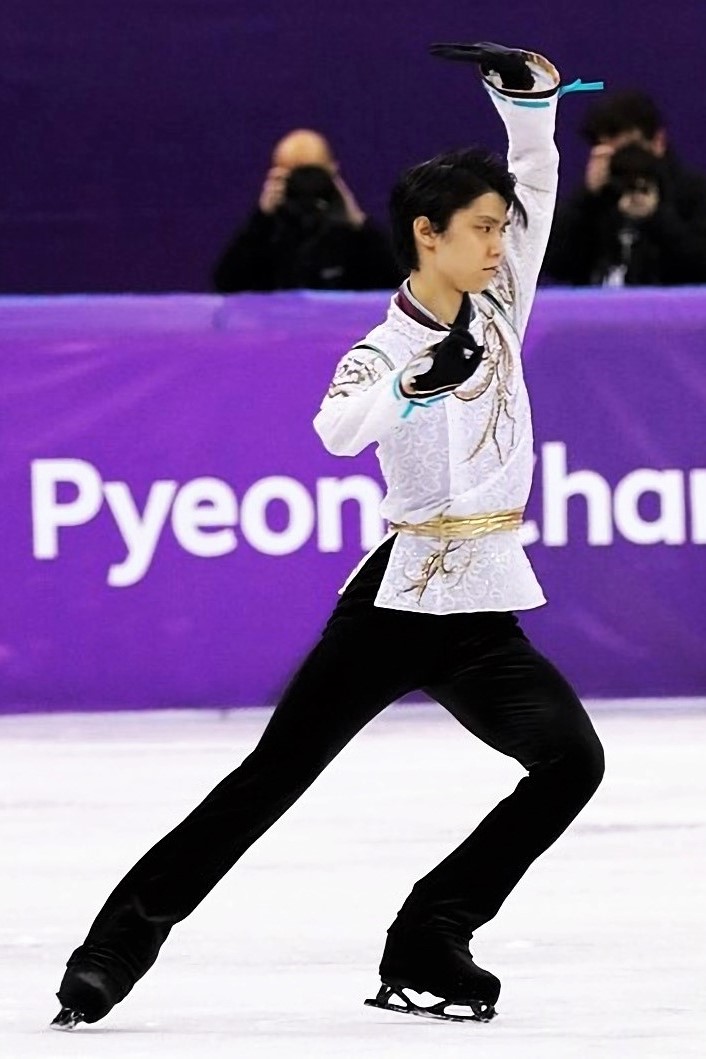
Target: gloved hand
[(442, 368), (509, 63)]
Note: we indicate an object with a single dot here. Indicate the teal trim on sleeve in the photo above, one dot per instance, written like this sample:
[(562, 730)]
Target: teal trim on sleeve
[(576, 86), (530, 102), (411, 402), (580, 86), (427, 402)]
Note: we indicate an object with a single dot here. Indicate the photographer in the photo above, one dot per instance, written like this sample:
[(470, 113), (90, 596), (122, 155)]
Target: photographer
[(308, 231), (640, 218)]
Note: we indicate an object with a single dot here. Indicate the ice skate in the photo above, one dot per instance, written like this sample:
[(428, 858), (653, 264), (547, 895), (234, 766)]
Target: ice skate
[(439, 968), (90, 988), (67, 1019)]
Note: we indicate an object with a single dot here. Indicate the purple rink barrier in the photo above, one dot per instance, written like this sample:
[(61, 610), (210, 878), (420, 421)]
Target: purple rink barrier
[(174, 533)]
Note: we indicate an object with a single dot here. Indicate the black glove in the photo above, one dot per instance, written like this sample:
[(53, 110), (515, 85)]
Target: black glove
[(509, 63), (454, 360)]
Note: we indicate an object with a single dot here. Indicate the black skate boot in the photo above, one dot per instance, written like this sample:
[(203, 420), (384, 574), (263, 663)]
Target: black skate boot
[(437, 962), (93, 983)]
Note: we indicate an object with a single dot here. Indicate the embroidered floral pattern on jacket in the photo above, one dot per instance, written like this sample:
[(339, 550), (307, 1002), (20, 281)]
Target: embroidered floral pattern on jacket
[(359, 369)]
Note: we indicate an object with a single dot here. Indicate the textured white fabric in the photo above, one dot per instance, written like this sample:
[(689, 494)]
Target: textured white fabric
[(469, 452)]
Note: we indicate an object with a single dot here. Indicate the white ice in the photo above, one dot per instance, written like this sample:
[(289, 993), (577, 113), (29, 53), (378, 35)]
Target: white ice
[(601, 948)]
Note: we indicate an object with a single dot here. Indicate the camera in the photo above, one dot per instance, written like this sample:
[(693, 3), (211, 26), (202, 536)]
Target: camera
[(311, 198), (634, 168)]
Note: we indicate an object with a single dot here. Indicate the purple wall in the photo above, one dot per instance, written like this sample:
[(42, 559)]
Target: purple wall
[(136, 134)]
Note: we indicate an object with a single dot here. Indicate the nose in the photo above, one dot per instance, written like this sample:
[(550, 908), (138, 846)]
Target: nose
[(496, 248)]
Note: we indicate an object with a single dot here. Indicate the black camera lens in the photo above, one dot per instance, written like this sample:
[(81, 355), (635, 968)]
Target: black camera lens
[(311, 184)]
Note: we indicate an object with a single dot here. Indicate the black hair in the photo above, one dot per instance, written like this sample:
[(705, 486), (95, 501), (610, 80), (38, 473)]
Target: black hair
[(622, 112), (438, 188)]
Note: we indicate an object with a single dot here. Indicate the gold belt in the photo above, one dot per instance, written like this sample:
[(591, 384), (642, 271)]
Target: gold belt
[(453, 527)]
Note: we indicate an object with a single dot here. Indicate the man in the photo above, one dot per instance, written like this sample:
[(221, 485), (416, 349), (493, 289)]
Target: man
[(308, 230), (438, 387), (640, 217)]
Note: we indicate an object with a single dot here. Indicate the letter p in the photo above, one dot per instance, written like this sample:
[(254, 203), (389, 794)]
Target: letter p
[(48, 513)]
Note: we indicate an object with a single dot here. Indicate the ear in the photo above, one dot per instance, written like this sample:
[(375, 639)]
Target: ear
[(424, 233)]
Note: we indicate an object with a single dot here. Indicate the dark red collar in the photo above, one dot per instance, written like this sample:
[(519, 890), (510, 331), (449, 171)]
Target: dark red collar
[(409, 309)]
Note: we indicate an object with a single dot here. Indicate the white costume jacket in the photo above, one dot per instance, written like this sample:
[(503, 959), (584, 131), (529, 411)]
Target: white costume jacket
[(470, 452)]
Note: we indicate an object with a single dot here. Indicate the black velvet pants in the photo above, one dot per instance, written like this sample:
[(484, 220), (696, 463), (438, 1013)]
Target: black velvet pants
[(480, 667)]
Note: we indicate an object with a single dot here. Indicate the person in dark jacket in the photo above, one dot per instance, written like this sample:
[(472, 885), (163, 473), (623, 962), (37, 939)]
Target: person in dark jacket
[(640, 217), (308, 231)]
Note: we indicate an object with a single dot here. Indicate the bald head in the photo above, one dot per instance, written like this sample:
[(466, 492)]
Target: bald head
[(304, 147)]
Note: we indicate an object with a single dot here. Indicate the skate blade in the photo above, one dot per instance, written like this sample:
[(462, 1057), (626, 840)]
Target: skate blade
[(386, 1001), (67, 1019)]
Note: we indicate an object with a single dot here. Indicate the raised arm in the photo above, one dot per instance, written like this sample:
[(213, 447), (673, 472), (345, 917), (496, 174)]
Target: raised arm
[(529, 117), (524, 87)]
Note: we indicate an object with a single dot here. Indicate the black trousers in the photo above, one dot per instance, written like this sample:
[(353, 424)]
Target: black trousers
[(480, 667)]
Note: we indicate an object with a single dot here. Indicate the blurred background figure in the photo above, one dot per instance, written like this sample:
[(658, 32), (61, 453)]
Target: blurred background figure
[(308, 230), (640, 217)]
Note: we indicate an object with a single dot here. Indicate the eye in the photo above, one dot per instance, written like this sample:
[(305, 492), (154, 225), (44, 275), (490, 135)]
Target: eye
[(485, 228)]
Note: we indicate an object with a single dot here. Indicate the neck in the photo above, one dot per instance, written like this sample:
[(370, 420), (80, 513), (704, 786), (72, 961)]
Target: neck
[(441, 300)]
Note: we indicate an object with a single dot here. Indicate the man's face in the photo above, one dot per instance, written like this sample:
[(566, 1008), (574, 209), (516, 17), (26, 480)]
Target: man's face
[(469, 252)]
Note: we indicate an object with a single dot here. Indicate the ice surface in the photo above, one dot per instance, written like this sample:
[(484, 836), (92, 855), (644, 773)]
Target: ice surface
[(601, 948)]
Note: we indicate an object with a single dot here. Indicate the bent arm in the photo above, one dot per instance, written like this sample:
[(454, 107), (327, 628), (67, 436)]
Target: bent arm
[(362, 402), (365, 402)]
